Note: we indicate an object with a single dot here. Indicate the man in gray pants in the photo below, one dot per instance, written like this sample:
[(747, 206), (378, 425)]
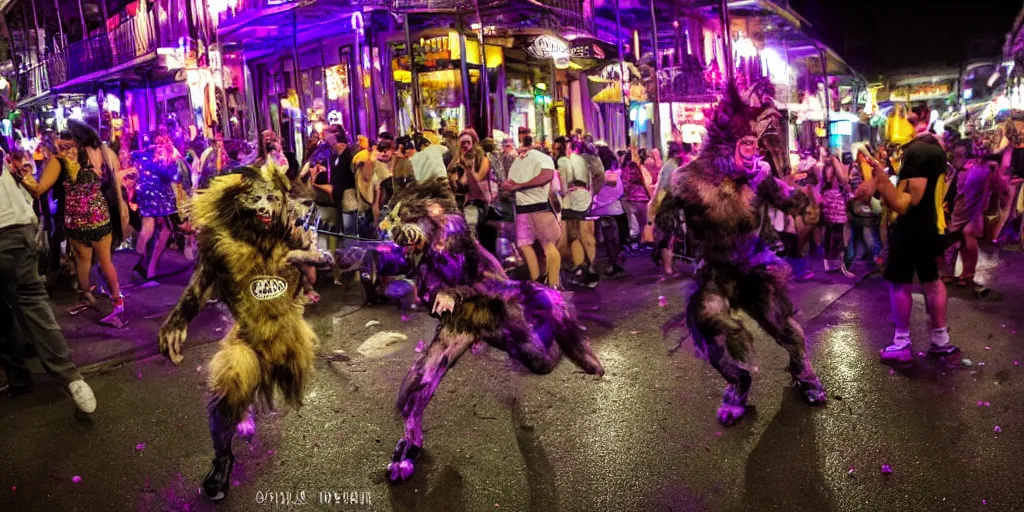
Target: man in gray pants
[(24, 308)]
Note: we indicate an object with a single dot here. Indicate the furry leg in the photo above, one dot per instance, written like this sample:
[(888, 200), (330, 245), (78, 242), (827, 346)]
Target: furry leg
[(417, 389), (234, 377), (532, 345), (724, 341), (570, 336), (774, 313), (547, 319)]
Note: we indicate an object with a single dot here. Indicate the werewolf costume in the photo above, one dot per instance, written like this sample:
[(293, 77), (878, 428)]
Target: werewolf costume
[(474, 300), (724, 205), (249, 247)]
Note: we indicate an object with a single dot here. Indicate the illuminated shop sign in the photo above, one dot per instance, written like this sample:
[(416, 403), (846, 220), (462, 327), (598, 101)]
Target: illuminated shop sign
[(545, 47), (587, 51)]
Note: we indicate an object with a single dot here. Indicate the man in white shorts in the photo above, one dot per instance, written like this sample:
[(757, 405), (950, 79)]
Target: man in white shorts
[(530, 178)]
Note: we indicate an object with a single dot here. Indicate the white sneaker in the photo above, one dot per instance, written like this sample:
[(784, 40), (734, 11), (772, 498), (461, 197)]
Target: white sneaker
[(81, 393)]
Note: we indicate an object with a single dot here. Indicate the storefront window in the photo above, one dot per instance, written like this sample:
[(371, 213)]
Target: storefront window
[(337, 107)]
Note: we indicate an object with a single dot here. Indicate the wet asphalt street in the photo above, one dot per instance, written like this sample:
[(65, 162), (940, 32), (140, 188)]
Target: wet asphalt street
[(642, 438)]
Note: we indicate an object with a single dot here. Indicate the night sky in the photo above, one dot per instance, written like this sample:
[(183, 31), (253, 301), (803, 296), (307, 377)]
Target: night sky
[(895, 36)]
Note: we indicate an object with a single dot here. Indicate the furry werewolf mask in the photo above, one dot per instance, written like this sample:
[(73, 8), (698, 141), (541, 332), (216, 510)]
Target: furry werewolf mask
[(263, 201), (739, 116), (421, 214), (244, 200)]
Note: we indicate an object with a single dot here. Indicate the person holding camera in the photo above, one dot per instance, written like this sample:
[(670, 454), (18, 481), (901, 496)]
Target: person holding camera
[(470, 172)]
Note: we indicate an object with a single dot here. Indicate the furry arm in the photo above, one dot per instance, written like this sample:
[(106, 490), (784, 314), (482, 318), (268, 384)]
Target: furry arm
[(781, 196), (173, 332)]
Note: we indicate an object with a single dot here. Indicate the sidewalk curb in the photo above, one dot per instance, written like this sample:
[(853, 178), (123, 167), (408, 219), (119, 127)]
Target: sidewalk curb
[(128, 356)]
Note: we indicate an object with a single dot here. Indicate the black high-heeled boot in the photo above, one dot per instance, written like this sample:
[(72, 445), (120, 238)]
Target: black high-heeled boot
[(218, 480)]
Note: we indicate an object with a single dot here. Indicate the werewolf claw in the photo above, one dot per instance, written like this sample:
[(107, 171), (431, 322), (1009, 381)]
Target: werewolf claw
[(170, 343), (729, 414), (813, 392), (734, 404), (443, 303), (401, 466)]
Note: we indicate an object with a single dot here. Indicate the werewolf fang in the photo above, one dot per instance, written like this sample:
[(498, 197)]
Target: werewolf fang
[(722, 195), (249, 247), (473, 299)]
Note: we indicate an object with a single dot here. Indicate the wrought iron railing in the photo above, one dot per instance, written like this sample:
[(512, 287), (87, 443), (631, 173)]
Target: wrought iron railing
[(33, 81), (129, 40), (685, 83), (57, 68)]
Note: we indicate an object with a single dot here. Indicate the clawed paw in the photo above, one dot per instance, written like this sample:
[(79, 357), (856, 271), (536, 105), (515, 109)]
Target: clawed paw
[(443, 304), (401, 466), (729, 414), (813, 392), (400, 471)]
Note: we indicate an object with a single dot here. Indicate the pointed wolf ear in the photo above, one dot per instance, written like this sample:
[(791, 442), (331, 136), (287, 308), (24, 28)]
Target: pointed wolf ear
[(267, 173)]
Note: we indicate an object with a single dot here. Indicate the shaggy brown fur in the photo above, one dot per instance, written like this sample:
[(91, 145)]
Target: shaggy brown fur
[(474, 300), (248, 249), (724, 203)]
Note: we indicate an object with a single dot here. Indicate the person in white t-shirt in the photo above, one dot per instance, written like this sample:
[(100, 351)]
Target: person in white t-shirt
[(577, 232), (428, 161), (530, 178)]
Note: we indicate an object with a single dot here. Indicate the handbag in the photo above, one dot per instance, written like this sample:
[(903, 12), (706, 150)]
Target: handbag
[(900, 130)]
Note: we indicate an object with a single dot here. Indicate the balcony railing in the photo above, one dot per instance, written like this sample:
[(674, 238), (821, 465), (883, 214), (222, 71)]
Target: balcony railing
[(33, 81), (686, 83), (129, 40)]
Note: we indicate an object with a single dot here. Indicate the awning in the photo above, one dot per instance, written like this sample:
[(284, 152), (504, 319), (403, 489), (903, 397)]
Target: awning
[(87, 82), (34, 100)]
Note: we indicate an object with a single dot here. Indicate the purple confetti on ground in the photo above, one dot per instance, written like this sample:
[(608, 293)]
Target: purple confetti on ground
[(998, 429), (1016, 363), (405, 318), (984, 501), (662, 301), (851, 471), (235, 483), (886, 469), (421, 346), (138, 375), (199, 368), (76, 479), (988, 348), (892, 372), (718, 434), (139, 447)]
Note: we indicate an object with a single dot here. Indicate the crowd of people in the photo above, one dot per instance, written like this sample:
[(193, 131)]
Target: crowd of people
[(547, 207)]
